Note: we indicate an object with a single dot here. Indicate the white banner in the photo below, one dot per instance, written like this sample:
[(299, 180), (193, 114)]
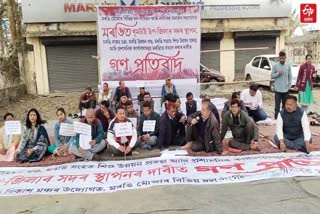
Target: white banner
[(99, 177), (149, 43)]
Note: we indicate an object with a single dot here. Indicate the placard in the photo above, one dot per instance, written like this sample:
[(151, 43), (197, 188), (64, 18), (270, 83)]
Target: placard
[(149, 125), (123, 129), (82, 128), (134, 121), (66, 129), (84, 141), (13, 127)]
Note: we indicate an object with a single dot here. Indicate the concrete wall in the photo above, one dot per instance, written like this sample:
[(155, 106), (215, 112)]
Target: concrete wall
[(11, 94), (36, 76)]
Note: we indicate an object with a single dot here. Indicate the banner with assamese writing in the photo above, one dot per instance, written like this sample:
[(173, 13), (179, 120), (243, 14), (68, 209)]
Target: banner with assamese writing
[(100, 177), (149, 43)]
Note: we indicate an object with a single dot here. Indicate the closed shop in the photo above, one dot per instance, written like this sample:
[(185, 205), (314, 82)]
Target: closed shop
[(211, 41), (71, 63), (265, 42)]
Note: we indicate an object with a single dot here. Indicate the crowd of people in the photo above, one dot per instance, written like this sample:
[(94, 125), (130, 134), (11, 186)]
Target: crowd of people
[(197, 129)]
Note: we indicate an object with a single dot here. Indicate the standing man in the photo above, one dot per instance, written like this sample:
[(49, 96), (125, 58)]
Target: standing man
[(242, 128), (293, 131), (191, 104), (281, 73)]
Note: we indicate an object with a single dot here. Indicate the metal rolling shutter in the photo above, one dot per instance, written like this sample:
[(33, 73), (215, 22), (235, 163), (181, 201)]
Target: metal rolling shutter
[(72, 67), (244, 57), (211, 42)]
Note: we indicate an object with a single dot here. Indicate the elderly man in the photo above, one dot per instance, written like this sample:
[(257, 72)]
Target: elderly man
[(206, 98), (242, 127), (120, 145), (97, 142), (252, 98), (293, 131), (168, 88), (204, 131)]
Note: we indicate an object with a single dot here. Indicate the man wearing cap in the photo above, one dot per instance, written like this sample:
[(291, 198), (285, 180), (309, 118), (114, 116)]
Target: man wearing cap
[(168, 88)]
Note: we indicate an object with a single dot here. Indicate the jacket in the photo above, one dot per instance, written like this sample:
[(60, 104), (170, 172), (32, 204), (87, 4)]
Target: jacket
[(154, 116), (212, 131), (305, 74)]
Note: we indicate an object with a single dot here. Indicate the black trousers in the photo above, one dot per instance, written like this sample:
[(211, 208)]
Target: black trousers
[(279, 98)]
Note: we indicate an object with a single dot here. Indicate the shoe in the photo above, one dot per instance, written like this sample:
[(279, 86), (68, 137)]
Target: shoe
[(147, 146), (96, 157)]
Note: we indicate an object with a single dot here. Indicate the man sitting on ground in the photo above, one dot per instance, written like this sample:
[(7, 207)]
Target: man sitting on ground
[(131, 112), (140, 96), (97, 143), (191, 104), (169, 99), (169, 127), (105, 115), (123, 101), (206, 98), (252, 99), (148, 139), (227, 104), (121, 89), (147, 98), (121, 145), (87, 99), (293, 131), (242, 127), (203, 131)]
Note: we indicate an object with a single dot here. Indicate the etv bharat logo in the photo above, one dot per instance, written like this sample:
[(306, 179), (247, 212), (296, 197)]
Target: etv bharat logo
[(308, 13)]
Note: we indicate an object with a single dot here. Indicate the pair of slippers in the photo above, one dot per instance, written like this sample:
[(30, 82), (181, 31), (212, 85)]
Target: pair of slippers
[(74, 116)]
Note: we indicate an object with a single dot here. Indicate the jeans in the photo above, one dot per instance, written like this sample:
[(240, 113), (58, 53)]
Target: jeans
[(88, 154), (297, 144), (257, 114), (279, 98)]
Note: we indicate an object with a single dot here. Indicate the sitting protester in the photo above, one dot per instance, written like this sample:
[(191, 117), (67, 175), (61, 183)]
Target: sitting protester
[(97, 142), (87, 99), (169, 127), (8, 143), (148, 139), (169, 99), (121, 146), (252, 99), (61, 143), (242, 127), (106, 93), (120, 90), (105, 115), (206, 98), (293, 131), (203, 131), (123, 101), (35, 140), (147, 98), (168, 88), (140, 96), (227, 104), (191, 104)]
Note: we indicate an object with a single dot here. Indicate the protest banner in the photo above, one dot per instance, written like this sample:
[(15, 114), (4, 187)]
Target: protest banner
[(12, 127), (149, 43), (134, 121), (111, 176)]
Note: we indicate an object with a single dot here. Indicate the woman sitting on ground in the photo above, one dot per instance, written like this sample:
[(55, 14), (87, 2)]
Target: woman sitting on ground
[(106, 93), (34, 141), (61, 143), (8, 143)]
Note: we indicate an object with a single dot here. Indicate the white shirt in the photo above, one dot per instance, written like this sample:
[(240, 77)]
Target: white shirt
[(304, 123), (256, 100)]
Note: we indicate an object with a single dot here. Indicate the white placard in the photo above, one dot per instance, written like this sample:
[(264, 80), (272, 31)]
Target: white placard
[(149, 125), (134, 121), (12, 127), (123, 129), (66, 129), (82, 128), (84, 141)]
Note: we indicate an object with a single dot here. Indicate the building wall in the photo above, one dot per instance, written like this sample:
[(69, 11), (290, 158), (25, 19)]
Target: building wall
[(36, 69)]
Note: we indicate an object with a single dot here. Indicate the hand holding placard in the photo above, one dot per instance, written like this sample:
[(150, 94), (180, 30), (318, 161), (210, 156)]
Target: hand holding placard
[(123, 129), (82, 128), (66, 129)]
